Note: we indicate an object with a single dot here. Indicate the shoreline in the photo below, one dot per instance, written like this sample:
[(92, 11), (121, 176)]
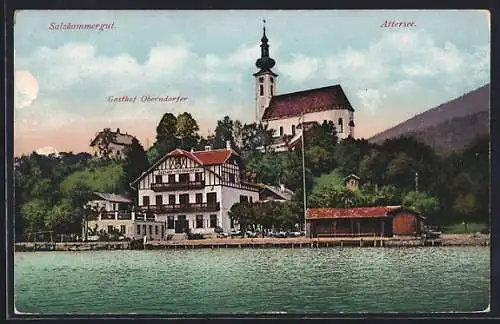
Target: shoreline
[(456, 240)]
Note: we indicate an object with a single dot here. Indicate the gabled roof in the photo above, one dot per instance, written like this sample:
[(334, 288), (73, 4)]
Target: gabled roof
[(284, 193), (112, 197), (204, 158), (360, 212), (352, 175), (118, 138), (308, 101)]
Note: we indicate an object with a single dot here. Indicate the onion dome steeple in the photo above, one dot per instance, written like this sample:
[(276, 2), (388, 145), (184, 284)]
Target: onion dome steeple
[(264, 63)]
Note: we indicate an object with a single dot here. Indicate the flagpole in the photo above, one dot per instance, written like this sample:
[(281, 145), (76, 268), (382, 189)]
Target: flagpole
[(304, 173)]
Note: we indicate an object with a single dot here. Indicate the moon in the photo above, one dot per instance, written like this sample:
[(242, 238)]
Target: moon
[(25, 89)]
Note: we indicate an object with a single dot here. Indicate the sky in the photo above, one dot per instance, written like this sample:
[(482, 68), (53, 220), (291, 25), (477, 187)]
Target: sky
[(63, 78)]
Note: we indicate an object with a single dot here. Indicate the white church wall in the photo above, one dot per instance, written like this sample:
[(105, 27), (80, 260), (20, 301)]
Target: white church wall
[(319, 117)]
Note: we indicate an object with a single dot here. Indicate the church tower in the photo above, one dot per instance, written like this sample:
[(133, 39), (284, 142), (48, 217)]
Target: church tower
[(265, 79)]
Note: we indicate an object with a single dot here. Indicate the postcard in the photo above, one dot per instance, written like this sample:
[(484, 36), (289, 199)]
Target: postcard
[(194, 162)]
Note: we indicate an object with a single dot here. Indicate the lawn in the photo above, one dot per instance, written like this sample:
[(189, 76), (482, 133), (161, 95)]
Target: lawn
[(460, 228)]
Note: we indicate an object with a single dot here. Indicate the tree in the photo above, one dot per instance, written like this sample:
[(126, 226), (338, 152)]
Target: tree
[(348, 154), (255, 136), (34, 213), (135, 163), (104, 140), (422, 203), (223, 132), (60, 217), (187, 131), (242, 213), (166, 137), (335, 197)]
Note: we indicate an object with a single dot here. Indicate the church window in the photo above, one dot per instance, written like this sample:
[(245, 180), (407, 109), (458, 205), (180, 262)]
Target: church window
[(293, 130), (281, 130), (261, 79), (341, 125), (272, 91), (261, 90)]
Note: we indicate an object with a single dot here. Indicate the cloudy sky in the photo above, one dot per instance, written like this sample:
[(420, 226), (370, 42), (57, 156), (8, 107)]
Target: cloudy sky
[(64, 77)]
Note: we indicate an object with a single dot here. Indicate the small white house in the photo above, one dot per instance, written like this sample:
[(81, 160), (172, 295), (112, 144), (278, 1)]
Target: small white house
[(112, 212)]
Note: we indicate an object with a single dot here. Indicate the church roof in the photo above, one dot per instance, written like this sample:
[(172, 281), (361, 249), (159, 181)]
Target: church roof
[(313, 100)]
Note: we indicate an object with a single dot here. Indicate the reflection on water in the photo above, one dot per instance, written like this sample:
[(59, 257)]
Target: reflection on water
[(330, 280)]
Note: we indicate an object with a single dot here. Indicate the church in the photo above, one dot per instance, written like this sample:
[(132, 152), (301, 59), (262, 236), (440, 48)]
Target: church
[(289, 113)]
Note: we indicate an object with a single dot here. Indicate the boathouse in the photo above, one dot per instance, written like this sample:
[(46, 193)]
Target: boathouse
[(363, 221)]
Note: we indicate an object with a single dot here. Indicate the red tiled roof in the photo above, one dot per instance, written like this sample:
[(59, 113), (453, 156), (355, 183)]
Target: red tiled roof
[(205, 157), (308, 101), (360, 212), (212, 157)]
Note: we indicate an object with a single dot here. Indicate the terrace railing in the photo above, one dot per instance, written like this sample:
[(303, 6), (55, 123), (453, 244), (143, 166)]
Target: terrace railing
[(182, 208), (172, 186)]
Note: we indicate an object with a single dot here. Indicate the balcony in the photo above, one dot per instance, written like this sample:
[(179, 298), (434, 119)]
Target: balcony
[(172, 186), (182, 208), (120, 215)]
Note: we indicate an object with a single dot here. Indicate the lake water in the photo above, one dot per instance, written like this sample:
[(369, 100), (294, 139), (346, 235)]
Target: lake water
[(229, 281)]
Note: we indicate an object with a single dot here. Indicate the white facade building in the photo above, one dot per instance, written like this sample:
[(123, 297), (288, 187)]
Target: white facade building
[(285, 112), (112, 212), (195, 189)]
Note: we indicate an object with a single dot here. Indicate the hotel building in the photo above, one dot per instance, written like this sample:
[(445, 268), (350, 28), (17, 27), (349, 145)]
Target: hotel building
[(195, 189)]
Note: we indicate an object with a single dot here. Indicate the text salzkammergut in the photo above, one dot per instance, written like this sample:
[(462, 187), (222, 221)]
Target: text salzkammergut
[(91, 27)]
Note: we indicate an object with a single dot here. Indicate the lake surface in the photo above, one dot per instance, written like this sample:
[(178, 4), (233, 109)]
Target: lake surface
[(231, 281)]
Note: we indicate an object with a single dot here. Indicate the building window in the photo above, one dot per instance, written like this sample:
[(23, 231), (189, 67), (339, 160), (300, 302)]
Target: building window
[(243, 199), (171, 178), (341, 125), (251, 199), (159, 200), (159, 178), (261, 79), (170, 222), (184, 199), (293, 130), (110, 228), (145, 200), (184, 177), (232, 178), (151, 229), (138, 229), (122, 229), (199, 198), (272, 91), (197, 176), (199, 221), (171, 199), (281, 130), (213, 221), (162, 231), (144, 229), (261, 87), (211, 198), (156, 229), (272, 80)]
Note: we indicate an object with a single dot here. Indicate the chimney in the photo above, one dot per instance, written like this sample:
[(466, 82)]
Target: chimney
[(192, 149), (282, 187), (208, 147), (118, 130), (228, 145)]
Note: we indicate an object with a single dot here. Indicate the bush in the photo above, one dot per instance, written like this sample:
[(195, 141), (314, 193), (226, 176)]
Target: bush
[(195, 236), (461, 228)]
